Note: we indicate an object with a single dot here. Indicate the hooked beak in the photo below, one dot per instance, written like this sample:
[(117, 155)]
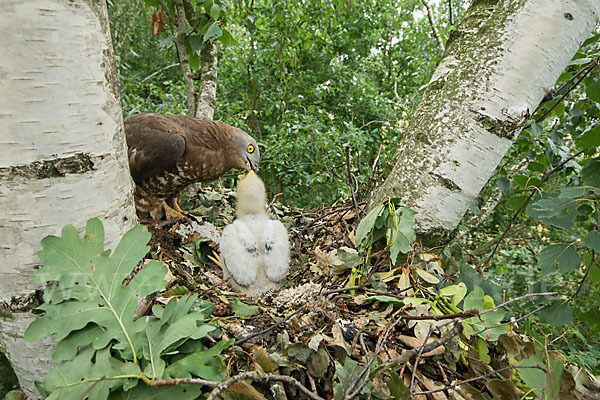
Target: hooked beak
[(252, 166)]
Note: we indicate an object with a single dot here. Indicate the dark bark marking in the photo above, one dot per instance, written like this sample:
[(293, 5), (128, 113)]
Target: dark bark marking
[(79, 163)]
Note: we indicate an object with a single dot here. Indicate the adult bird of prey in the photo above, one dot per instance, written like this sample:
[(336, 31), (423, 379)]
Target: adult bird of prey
[(254, 248), (168, 152)]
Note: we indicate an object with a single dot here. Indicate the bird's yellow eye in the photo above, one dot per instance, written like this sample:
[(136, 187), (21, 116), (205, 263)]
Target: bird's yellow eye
[(250, 149)]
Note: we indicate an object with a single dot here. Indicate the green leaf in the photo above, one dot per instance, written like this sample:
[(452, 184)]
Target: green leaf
[(194, 61), (345, 376), (213, 32), (397, 387), (554, 210), (504, 185), (592, 318), (215, 11), (166, 41), (91, 314), (91, 366), (179, 392), (242, 309), (457, 292), (592, 240), (590, 138), (536, 130), (472, 279), (590, 173), (559, 313), (173, 324), (562, 257), (593, 91), (195, 42), (478, 300), (200, 364), (406, 234), (534, 378), (517, 201), (227, 39), (366, 224)]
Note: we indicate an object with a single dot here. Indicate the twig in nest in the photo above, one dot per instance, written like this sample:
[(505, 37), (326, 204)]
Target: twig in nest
[(255, 376), (270, 328), (416, 365), (202, 293), (273, 201), (455, 384)]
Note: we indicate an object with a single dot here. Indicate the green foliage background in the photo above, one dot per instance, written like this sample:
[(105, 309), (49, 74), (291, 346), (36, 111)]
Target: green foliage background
[(306, 78)]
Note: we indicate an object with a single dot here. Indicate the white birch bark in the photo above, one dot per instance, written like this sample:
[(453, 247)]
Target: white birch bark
[(498, 65), (207, 96), (63, 157)]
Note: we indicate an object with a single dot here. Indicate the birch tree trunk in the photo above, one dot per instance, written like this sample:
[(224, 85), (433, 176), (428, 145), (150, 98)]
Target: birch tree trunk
[(498, 65), (207, 96), (63, 157)]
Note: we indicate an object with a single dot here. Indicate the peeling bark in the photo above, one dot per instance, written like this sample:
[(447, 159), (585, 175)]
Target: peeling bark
[(498, 65), (207, 96), (63, 156)]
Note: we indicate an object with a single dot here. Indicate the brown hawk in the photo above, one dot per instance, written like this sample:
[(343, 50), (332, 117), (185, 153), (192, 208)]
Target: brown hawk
[(168, 152)]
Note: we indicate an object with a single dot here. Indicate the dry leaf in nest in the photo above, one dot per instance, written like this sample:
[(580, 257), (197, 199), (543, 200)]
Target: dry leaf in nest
[(157, 21)]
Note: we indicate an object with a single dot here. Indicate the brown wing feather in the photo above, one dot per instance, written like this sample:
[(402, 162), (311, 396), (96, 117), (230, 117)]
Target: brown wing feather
[(152, 146)]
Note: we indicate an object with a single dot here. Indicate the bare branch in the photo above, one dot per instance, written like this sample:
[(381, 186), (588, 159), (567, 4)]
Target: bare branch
[(255, 376), (434, 29), (184, 61), (454, 385)]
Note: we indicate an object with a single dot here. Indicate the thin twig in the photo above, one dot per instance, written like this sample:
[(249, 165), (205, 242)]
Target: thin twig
[(376, 160), (434, 29), (182, 381), (454, 385), (416, 364), (255, 376), (516, 321), (594, 262), (351, 182), (407, 355), (158, 72), (202, 293), (270, 328), (534, 191), (591, 67), (525, 296)]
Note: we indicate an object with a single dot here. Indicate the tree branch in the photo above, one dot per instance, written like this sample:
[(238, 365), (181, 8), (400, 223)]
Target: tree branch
[(207, 95), (184, 61), (434, 29), (255, 376)]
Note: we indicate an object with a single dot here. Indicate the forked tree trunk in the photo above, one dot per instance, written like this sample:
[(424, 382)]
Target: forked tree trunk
[(498, 65), (63, 157)]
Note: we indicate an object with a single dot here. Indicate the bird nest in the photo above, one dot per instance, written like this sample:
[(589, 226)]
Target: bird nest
[(341, 326)]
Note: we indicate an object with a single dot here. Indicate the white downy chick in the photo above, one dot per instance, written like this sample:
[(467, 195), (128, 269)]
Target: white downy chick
[(254, 248)]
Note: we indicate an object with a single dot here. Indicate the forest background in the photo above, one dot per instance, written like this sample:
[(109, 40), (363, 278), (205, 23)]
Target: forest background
[(327, 88)]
